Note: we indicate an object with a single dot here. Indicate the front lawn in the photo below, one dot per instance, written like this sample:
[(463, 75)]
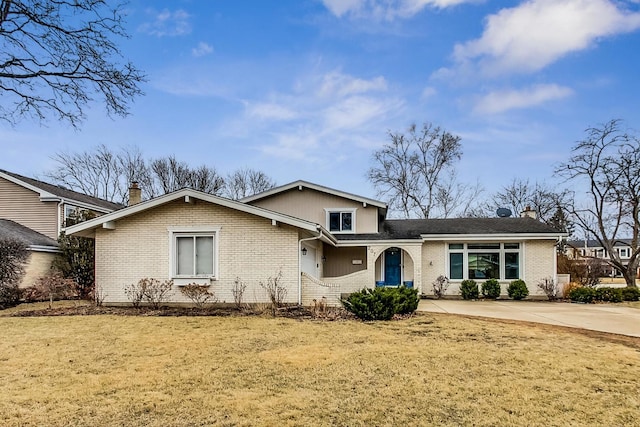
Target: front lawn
[(431, 369)]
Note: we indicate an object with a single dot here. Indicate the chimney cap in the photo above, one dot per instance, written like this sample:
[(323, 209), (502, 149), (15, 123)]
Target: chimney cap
[(134, 184)]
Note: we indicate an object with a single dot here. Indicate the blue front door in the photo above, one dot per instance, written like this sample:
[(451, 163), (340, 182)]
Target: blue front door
[(392, 258)]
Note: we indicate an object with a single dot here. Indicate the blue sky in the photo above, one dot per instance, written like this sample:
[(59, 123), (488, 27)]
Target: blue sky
[(308, 89)]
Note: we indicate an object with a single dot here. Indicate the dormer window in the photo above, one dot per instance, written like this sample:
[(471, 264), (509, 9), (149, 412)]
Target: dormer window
[(341, 220)]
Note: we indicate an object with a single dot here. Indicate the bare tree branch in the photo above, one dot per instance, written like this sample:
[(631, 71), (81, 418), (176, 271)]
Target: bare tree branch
[(56, 55)]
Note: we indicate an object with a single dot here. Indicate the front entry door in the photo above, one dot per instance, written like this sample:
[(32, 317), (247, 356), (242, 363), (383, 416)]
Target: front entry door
[(392, 259)]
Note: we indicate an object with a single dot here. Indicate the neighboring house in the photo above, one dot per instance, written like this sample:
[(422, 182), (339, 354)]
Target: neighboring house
[(592, 249), (325, 243), (36, 212)]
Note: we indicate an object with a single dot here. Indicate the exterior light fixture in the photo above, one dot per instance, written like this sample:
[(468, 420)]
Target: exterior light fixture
[(304, 251)]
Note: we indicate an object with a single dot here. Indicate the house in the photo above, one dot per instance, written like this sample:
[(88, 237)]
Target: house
[(323, 241), (582, 250), (36, 212)]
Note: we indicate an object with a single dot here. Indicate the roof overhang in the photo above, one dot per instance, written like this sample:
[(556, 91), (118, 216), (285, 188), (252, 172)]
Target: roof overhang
[(491, 237), (109, 220), (41, 248), (392, 242)]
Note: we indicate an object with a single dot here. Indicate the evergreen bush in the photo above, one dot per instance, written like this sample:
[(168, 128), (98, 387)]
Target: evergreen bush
[(381, 303), (630, 294), (469, 289), (518, 289), (582, 294), (608, 294), (491, 289)]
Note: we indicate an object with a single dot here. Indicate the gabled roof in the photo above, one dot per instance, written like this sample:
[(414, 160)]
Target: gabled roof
[(304, 184), (53, 192), (454, 228), (593, 243), (85, 228), (12, 230)]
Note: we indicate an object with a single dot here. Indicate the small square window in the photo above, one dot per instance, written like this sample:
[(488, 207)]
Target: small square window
[(341, 221), (194, 254)]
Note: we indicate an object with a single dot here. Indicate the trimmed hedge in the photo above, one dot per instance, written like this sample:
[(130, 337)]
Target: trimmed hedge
[(518, 290), (604, 294), (469, 289), (491, 289), (381, 303)]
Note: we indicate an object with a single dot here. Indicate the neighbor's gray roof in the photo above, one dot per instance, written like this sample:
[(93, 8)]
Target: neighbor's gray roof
[(593, 243), (65, 193), (12, 230), (398, 229)]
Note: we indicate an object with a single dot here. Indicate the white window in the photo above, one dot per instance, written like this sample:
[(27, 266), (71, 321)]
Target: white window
[(481, 261), (341, 220), (194, 253), (624, 252), (74, 214)]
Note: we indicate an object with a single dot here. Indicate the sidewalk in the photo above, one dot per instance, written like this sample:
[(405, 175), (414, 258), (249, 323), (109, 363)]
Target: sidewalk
[(610, 318)]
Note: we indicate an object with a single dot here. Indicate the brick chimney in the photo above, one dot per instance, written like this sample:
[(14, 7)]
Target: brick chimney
[(135, 194), (528, 213)]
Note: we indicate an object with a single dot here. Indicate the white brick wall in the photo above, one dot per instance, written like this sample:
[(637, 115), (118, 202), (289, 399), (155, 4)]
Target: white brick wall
[(250, 247)]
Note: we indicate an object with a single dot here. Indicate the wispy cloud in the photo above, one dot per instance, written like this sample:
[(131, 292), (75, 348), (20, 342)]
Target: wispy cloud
[(386, 10), (202, 49), (501, 101), (536, 33), (166, 23)]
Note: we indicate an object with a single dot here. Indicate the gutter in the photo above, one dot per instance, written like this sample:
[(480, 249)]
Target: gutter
[(318, 237)]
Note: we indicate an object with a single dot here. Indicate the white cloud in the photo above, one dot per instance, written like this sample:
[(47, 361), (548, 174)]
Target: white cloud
[(271, 111), (501, 101), (202, 49), (528, 37), (387, 10), (167, 23), (338, 84)]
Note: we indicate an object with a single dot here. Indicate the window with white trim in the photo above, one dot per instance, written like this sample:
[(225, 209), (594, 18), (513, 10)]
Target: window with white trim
[(194, 254), (624, 252), (481, 261), (341, 220)]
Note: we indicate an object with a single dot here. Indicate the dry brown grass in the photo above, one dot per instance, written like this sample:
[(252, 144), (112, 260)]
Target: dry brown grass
[(246, 371)]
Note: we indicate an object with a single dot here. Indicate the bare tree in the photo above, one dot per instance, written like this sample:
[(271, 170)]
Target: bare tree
[(607, 163), (545, 200), (169, 175), (414, 172), (246, 182), (56, 55), (102, 172)]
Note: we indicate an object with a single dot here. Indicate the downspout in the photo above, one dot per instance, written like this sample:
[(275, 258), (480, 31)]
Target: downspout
[(555, 260), (318, 237)]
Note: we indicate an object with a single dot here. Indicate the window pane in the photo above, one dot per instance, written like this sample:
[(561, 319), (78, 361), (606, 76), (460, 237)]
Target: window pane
[(484, 266), (483, 245), (334, 221), (456, 246), (455, 266), (346, 221), (204, 255), (512, 245), (512, 265), (184, 247)]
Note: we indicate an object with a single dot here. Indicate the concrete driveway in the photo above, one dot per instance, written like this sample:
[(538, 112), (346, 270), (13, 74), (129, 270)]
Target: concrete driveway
[(610, 318)]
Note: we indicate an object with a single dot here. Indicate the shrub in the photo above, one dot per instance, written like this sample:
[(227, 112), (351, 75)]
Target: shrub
[(371, 304), (406, 300), (491, 289), (440, 286), (152, 291), (469, 289), (275, 291), (518, 289), (630, 294), (238, 292), (382, 303), (549, 287), (568, 288), (608, 294), (54, 287), (582, 294), (199, 294), (9, 295)]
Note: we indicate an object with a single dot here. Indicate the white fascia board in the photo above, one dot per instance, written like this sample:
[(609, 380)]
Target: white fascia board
[(405, 242), (84, 205), (491, 237), (316, 187), (40, 248), (221, 201)]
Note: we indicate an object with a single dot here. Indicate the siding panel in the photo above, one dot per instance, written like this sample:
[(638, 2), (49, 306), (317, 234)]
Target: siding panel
[(24, 207)]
